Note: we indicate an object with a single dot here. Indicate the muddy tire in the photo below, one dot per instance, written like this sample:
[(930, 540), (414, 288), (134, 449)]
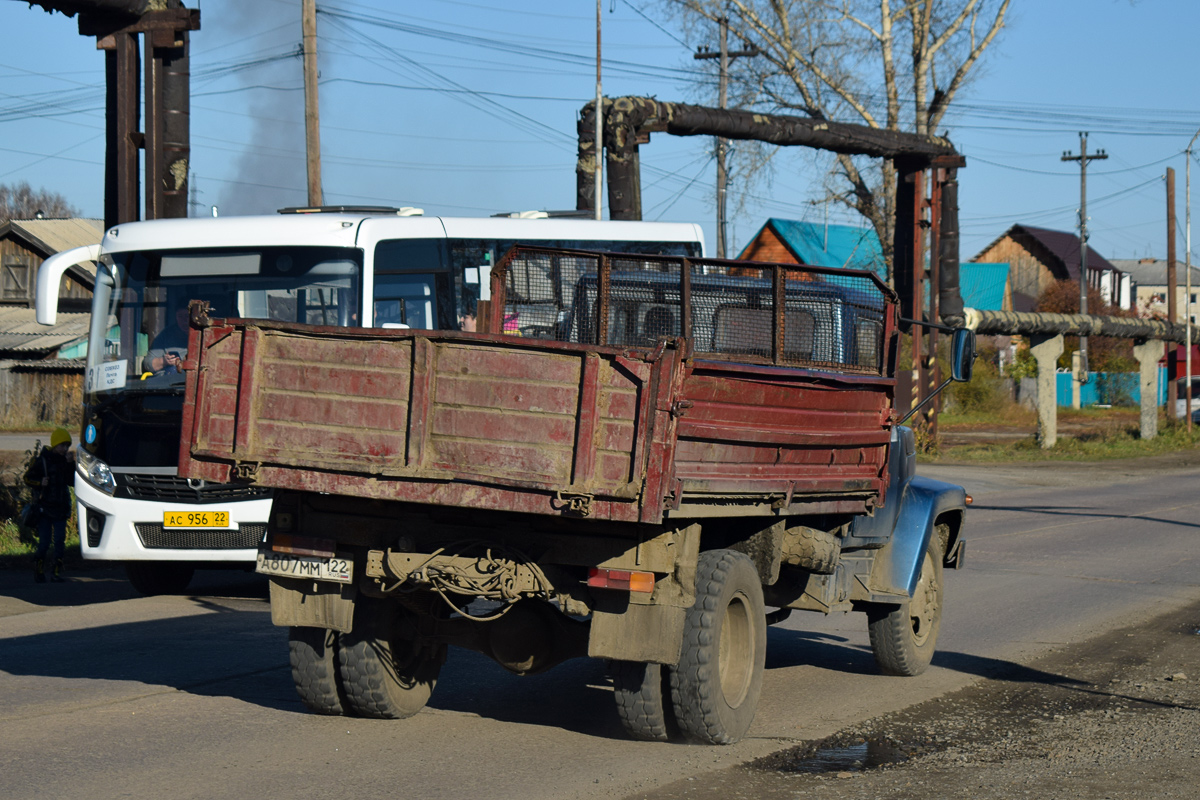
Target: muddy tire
[(152, 578), (716, 686), (313, 656), (811, 549), (386, 673), (903, 639), (643, 696)]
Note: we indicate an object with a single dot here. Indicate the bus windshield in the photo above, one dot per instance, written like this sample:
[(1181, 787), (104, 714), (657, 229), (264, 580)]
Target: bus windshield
[(139, 326)]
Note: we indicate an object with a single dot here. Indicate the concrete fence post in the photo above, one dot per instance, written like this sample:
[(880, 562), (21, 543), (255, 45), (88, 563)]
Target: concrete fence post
[(1046, 348), (1148, 353)]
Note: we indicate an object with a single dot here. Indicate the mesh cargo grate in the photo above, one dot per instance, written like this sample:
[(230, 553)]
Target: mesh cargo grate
[(155, 537), (781, 314)]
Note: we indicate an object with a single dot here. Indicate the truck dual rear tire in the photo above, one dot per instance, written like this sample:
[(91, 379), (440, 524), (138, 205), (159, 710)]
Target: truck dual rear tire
[(716, 686), (643, 696), (386, 672), (313, 656), (903, 639)]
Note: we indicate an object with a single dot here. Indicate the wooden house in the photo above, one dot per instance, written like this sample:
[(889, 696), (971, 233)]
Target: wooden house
[(1037, 257), (26, 243)]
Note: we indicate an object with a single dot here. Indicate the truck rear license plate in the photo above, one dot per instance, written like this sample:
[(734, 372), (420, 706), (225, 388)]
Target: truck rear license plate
[(338, 570), (195, 519)]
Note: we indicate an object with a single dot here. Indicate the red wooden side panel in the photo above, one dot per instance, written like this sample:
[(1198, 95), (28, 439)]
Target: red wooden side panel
[(766, 430), (505, 423), (422, 417)]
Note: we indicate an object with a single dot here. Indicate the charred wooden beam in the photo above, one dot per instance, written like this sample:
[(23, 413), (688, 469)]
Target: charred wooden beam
[(629, 121), (950, 304)]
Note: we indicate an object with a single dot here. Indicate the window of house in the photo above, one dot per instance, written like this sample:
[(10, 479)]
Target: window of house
[(14, 278)]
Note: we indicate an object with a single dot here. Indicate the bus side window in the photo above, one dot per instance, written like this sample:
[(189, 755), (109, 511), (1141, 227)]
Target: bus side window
[(406, 299)]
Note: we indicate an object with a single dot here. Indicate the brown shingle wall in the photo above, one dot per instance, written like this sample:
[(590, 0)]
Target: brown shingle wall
[(767, 246), (1028, 274)]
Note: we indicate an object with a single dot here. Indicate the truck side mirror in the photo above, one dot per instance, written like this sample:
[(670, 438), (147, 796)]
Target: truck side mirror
[(962, 359)]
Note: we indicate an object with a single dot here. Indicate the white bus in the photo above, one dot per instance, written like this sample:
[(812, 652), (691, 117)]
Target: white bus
[(346, 267)]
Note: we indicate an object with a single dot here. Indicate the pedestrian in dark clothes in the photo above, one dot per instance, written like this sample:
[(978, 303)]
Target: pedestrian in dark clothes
[(50, 477)]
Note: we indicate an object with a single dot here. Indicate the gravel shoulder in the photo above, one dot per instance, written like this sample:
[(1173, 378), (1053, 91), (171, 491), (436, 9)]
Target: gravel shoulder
[(1112, 718)]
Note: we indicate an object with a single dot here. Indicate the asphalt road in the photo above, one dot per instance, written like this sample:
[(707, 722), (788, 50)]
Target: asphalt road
[(18, 441), (104, 694)]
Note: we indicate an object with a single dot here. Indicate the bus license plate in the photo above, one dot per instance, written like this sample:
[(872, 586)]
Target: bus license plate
[(339, 569), (195, 519)]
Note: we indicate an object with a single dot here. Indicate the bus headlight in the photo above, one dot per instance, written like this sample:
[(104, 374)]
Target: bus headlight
[(95, 471)]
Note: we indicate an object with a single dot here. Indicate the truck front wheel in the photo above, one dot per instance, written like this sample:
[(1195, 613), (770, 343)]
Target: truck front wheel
[(312, 653), (903, 639), (716, 686), (386, 671)]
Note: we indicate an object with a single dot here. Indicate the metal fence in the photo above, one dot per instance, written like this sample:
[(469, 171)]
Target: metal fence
[(781, 314)]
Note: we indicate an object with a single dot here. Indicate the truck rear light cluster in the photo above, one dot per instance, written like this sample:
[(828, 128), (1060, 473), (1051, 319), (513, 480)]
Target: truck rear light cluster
[(621, 579)]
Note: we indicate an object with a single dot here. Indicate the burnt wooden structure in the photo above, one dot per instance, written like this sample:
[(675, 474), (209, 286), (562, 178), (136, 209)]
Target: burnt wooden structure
[(164, 134), (926, 195)]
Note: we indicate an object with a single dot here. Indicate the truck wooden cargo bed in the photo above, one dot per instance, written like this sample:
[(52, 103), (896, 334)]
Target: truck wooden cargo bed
[(624, 388)]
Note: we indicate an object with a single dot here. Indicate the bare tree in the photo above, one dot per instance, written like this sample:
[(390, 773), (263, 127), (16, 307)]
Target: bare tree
[(890, 64), (20, 201)]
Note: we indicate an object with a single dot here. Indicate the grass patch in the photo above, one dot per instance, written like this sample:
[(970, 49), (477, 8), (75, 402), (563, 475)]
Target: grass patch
[(1109, 439), (18, 544)]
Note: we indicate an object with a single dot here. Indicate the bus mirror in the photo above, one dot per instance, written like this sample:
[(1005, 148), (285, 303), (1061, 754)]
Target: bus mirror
[(962, 359), (50, 275)]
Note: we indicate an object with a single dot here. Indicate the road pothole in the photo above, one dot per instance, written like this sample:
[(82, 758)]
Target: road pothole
[(834, 756)]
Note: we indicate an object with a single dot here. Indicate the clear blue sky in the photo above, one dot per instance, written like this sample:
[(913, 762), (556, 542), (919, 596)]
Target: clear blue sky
[(467, 107)]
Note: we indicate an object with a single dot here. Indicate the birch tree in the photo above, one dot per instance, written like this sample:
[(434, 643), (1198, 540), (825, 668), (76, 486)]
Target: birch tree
[(891, 64)]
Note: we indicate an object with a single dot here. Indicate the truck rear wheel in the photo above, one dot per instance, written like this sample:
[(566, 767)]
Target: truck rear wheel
[(643, 696), (903, 639), (159, 577), (716, 686), (313, 655), (386, 672)]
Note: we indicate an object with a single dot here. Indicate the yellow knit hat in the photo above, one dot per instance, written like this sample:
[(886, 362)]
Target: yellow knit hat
[(59, 436)]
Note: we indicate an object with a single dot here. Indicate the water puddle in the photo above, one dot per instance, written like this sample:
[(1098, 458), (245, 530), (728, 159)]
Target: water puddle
[(846, 758)]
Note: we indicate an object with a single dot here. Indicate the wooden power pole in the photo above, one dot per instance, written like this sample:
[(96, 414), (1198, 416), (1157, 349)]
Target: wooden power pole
[(312, 116), (1172, 286), (1083, 158), (724, 56)]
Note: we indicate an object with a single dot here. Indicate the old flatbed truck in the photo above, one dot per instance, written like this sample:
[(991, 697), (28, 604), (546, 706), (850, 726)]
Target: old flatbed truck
[(632, 458)]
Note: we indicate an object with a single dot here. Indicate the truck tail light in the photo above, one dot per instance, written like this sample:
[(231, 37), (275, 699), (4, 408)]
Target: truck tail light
[(621, 579)]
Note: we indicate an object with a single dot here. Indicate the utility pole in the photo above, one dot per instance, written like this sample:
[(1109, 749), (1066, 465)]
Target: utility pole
[(312, 115), (1187, 299), (193, 202), (1083, 158), (724, 56), (599, 147), (1172, 300)]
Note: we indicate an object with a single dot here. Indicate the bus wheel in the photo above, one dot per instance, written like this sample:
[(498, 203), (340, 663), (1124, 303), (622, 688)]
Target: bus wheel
[(716, 686), (643, 695), (159, 577), (313, 656), (387, 671)]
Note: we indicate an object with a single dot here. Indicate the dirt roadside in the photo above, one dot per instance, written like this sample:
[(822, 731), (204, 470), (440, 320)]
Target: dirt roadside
[(1113, 718)]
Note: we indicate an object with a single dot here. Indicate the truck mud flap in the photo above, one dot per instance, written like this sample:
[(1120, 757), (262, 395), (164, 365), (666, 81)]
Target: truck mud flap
[(312, 604), (637, 633)]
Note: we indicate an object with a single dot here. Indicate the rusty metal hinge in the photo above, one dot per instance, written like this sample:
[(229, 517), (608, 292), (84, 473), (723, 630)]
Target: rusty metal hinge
[(681, 407), (576, 502), (246, 470)]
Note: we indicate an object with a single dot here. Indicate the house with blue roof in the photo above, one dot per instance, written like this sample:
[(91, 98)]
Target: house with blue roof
[(786, 241)]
